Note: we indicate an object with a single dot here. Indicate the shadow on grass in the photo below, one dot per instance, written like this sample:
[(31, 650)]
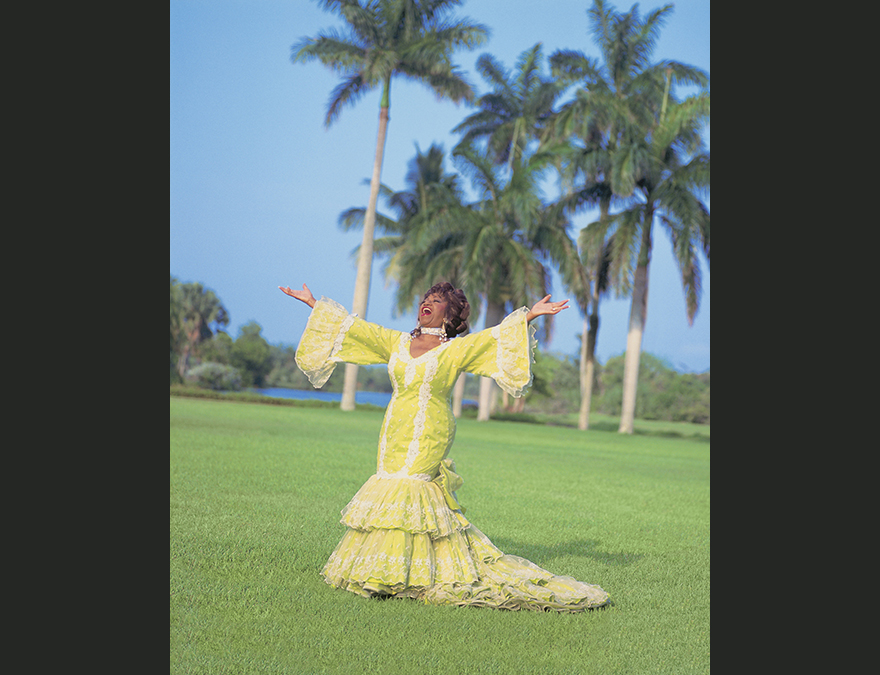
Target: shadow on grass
[(698, 437), (613, 426), (596, 425), (542, 554)]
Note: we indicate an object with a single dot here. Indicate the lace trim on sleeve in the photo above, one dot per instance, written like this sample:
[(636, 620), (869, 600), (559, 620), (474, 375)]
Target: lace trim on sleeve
[(515, 353), (322, 339)]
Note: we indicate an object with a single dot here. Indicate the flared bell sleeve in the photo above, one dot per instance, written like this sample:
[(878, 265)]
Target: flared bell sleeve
[(333, 335), (505, 353)]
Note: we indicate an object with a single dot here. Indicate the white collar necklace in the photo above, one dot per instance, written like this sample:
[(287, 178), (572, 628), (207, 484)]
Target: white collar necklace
[(439, 332)]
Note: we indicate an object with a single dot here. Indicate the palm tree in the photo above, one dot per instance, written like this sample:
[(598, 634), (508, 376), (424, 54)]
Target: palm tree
[(384, 39), (597, 272), (200, 309), (422, 245), (669, 183), (510, 238), (431, 203), (585, 127), (498, 248), (518, 111), (584, 272), (515, 111), (649, 154), (508, 120)]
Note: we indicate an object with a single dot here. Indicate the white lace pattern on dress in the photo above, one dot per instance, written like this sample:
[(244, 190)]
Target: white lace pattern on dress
[(431, 364), (509, 334), (316, 355)]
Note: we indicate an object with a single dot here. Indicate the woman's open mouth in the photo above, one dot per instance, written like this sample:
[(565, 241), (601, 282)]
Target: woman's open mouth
[(425, 311)]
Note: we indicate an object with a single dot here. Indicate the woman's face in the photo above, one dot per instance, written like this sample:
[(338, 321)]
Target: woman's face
[(432, 311)]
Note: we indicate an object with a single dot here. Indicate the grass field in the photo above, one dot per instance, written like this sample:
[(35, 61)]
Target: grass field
[(256, 492)]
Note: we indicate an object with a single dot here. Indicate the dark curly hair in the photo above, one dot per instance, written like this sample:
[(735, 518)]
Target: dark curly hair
[(458, 309)]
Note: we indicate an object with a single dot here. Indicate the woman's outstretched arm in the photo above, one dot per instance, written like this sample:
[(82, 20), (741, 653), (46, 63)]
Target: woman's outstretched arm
[(544, 307), (305, 295)]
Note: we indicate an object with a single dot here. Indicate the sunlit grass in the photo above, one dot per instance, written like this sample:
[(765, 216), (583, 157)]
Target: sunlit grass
[(256, 492)]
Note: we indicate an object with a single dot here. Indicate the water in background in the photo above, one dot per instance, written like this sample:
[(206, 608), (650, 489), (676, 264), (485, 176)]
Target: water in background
[(372, 397)]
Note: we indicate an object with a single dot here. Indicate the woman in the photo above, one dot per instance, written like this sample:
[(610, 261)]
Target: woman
[(407, 535)]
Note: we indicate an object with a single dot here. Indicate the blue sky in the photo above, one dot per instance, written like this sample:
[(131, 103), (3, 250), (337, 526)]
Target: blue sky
[(257, 182)]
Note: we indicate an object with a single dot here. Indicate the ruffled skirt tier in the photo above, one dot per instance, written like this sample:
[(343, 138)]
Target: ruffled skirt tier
[(404, 540)]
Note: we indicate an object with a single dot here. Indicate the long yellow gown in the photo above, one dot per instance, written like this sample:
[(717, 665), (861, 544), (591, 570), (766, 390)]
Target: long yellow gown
[(407, 535)]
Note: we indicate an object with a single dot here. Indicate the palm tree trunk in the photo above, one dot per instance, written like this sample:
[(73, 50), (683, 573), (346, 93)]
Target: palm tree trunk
[(588, 347), (638, 316), (182, 361), (365, 259), (192, 338), (591, 334), (458, 395), (485, 402), (494, 315)]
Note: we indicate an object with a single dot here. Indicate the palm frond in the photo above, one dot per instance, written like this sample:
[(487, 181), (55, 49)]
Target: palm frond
[(412, 38), (334, 49), (624, 247), (685, 74), (570, 67), (528, 65), (346, 93), (461, 33), (494, 73), (689, 266)]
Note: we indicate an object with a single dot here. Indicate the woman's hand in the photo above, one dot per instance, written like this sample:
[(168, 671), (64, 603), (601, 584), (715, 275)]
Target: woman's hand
[(544, 307), (305, 295)]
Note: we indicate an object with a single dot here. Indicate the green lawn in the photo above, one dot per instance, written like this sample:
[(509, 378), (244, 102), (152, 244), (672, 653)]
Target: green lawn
[(256, 492)]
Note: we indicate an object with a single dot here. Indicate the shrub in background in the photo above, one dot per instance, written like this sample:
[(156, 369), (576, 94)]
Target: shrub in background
[(215, 376)]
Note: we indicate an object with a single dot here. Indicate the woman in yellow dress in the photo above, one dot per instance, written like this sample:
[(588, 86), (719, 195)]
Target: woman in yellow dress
[(407, 535)]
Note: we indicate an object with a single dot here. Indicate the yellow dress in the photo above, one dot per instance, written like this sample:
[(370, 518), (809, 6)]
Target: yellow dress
[(407, 535)]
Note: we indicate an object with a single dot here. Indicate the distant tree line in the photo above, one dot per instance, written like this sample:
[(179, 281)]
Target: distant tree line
[(204, 355), (663, 392)]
